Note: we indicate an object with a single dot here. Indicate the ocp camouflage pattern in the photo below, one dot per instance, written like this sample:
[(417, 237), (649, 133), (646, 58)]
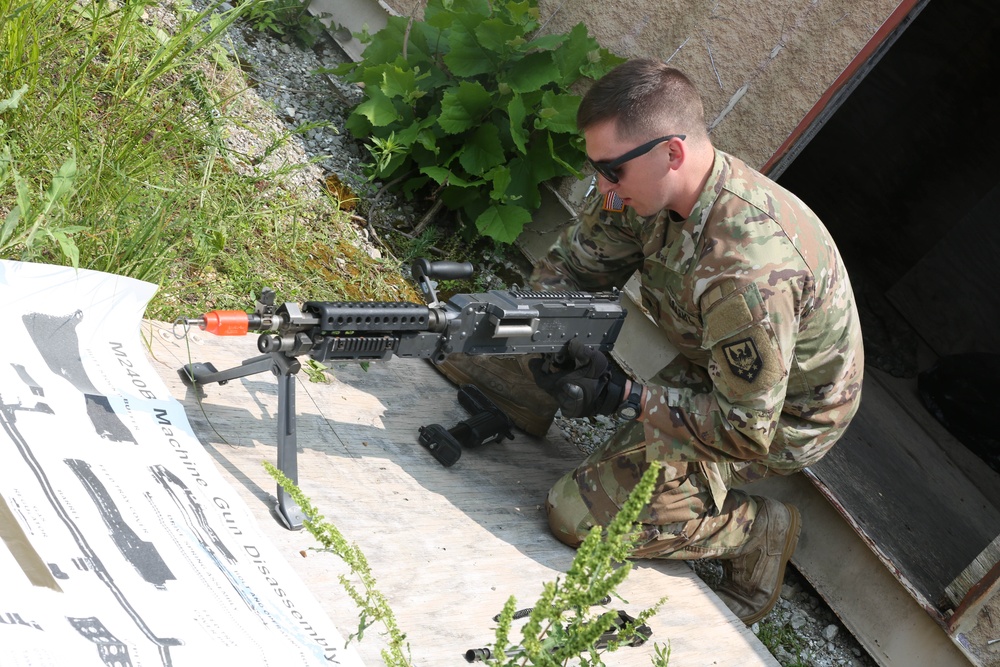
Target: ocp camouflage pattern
[(753, 293)]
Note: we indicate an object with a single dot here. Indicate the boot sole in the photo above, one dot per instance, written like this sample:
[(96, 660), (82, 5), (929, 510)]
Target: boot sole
[(791, 541)]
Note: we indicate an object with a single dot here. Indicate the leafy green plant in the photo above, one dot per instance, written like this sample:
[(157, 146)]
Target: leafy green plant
[(372, 605), (287, 17), (661, 655), (560, 627), (473, 108)]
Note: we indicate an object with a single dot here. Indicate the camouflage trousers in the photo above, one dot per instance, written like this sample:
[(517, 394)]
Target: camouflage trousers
[(681, 520)]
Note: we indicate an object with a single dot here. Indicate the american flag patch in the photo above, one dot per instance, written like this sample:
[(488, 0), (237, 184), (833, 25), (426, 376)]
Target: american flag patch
[(613, 203)]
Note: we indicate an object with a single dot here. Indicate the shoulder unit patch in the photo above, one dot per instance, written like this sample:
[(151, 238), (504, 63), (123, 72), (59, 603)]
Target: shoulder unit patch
[(743, 359)]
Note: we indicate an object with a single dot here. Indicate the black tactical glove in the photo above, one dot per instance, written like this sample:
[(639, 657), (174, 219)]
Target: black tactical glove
[(582, 381)]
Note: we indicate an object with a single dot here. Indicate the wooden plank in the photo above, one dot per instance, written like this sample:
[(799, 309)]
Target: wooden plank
[(904, 392), (975, 626), (881, 614), (978, 570), (906, 498), (975, 471), (447, 545)]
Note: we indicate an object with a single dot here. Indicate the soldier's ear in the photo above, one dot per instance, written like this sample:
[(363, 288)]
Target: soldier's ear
[(677, 152)]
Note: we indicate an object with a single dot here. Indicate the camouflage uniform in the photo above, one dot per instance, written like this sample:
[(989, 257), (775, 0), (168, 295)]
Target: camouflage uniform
[(752, 291)]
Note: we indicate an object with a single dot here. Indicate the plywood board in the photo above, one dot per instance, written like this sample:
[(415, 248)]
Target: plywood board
[(904, 392), (448, 546)]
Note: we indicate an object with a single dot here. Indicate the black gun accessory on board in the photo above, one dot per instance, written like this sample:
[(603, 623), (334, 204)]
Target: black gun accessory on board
[(497, 322), (637, 637), (488, 423)]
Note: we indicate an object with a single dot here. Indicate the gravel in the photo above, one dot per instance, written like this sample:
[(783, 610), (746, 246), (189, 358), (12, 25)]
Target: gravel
[(292, 95)]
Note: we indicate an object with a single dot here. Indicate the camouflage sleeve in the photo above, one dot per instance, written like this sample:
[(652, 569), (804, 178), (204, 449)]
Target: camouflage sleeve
[(601, 249), (751, 344)]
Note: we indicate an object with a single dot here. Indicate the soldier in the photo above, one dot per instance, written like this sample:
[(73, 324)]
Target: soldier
[(748, 285)]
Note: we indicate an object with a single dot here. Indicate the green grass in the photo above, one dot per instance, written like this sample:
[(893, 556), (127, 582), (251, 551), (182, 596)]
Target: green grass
[(776, 634), (113, 156)]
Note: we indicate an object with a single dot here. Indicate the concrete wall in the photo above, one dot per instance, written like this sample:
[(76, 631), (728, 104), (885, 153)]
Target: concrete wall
[(761, 65)]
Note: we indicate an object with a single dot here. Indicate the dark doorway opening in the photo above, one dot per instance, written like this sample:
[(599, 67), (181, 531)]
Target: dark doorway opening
[(896, 173), (906, 175)]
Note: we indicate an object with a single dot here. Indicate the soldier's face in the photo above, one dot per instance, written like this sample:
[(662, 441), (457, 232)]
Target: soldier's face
[(644, 182)]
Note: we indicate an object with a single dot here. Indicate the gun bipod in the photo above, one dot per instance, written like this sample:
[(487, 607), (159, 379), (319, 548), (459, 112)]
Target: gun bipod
[(284, 367)]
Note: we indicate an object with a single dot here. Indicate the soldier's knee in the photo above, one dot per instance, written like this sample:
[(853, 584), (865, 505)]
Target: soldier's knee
[(569, 517)]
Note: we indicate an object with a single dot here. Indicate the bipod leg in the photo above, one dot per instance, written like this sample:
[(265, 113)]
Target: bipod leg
[(285, 367), (206, 373)]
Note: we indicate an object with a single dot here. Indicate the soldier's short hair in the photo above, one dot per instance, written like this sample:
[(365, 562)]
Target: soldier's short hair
[(645, 98)]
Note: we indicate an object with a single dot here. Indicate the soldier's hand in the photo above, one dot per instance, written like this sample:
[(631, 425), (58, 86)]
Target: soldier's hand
[(583, 383)]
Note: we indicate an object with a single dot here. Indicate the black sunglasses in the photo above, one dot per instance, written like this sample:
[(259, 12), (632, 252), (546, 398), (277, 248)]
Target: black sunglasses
[(609, 168)]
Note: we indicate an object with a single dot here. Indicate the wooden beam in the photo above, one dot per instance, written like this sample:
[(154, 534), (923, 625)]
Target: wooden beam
[(977, 571), (976, 623), (879, 612)]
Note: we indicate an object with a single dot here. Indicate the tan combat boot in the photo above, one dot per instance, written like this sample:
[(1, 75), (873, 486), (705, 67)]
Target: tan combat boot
[(508, 382), (752, 578)]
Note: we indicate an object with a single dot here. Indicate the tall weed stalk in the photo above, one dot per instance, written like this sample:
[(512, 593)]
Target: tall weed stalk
[(560, 630)]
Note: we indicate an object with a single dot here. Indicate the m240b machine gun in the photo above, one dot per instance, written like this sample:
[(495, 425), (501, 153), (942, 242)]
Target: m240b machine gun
[(497, 322)]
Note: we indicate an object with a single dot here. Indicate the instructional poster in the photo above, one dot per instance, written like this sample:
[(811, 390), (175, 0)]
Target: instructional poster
[(120, 543)]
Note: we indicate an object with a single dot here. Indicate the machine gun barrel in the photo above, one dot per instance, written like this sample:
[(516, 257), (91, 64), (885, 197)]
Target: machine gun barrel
[(492, 323)]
